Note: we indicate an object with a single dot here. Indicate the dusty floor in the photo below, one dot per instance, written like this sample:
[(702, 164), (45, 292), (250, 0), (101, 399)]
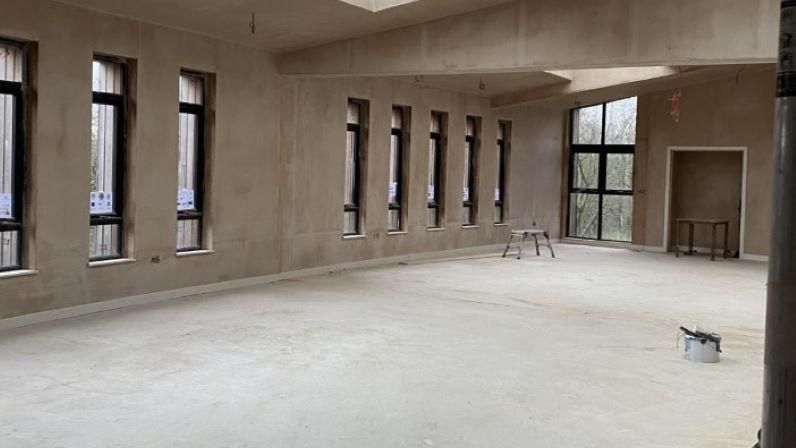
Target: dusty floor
[(480, 352)]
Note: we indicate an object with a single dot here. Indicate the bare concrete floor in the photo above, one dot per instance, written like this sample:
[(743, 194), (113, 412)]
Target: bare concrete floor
[(480, 352)]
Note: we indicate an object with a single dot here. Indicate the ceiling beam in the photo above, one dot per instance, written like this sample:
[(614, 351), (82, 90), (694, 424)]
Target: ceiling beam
[(536, 35)]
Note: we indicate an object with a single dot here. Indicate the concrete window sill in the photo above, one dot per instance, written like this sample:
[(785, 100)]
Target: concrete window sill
[(104, 263), (471, 226), (195, 253), (354, 237), (18, 273), (501, 224), (398, 232), (436, 229)]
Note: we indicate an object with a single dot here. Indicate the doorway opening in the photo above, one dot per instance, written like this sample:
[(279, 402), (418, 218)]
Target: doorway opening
[(706, 183)]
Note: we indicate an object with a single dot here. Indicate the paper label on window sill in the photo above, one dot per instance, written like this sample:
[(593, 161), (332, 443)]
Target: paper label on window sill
[(185, 199), (431, 193), (5, 205), (101, 202)]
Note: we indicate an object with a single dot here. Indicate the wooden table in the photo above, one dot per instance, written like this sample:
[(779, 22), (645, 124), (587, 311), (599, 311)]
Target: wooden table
[(714, 223), (523, 235)]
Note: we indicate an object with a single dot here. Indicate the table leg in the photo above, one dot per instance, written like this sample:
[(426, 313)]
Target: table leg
[(536, 243), (726, 239), (549, 244), (519, 247), (691, 238), (713, 244), (508, 245), (677, 240)]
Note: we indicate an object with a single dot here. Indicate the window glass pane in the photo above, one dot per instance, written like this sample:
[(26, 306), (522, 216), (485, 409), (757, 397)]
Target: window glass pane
[(498, 214), (103, 241), (436, 122), (350, 223), (617, 217), (466, 193), (9, 250), (620, 126), (353, 112), (467, 216), (350, 168), (619, 172), (395, 175), (397, 118), (433, 170), (583, 215), (7, 126), (188, 234), (587, 169), (191, 89), (107, 77), (394, 220), (186, 169), (10, 63), (433, 217), (103, 153), (470, 126), (587, 125)]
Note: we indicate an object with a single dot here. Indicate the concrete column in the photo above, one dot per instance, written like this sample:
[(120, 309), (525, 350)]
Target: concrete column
[(779, 407)]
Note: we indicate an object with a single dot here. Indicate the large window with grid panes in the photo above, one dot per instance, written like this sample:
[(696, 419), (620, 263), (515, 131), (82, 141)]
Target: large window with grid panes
[(12, 154), (191, 161), (108, 158), (603, 143)]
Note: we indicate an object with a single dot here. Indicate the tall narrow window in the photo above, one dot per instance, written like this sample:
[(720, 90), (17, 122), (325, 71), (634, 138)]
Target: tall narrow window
[(108, 132), (469, 194), (601, 171), (12, 154), (503, 141), (357, 115), (395, 193), (434, 191), (191, 168)]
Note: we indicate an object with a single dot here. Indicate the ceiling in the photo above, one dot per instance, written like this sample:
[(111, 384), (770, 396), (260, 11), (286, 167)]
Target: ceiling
[(492, 83), (284, 25)]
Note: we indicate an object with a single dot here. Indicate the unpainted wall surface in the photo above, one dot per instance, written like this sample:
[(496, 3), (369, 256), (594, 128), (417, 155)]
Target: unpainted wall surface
[(707, 185), (313, 149), (276, 177), (731, 112)]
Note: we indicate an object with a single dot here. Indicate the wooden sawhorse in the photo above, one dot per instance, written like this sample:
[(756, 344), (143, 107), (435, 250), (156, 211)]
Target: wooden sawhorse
[(523, 235)]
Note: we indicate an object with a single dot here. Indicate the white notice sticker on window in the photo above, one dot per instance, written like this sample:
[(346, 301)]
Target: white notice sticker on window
[(5, 205), (101, 202), (497, 194), (393, 189), (185, 199), (466, 193), (431, 193)]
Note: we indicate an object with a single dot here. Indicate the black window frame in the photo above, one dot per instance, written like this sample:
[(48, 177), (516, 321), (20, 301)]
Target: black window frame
[(18, 91), (471, 205), (121, 103), (200, 111), (438, 138), (358, 130), (401, 134), (503, 144), (602, 150)]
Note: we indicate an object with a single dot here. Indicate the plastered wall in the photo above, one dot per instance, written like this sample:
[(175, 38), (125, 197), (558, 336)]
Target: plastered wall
[(731, 112), (276, 175)]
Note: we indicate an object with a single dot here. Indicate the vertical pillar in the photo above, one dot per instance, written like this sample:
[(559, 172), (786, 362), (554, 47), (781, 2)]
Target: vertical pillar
[(779, 407)]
